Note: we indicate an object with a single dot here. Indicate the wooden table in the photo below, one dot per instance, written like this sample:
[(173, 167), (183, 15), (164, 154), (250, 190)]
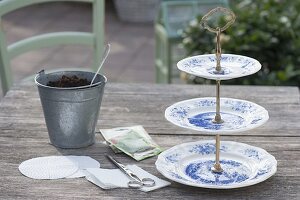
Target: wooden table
[(23, 135)]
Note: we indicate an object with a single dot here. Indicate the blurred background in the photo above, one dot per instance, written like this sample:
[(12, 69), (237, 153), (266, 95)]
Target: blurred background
[(149, 37), (132, 54)]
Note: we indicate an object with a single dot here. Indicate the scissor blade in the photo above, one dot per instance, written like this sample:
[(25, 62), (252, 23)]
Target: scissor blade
[(124, 169), (114, 161), (119, 165)]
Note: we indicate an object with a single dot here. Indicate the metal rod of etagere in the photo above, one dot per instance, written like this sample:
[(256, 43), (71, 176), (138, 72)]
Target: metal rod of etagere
[(217, 166), (218, 70)]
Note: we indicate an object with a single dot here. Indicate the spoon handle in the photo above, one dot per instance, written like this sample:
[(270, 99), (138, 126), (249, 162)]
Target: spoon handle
[(104, 56)]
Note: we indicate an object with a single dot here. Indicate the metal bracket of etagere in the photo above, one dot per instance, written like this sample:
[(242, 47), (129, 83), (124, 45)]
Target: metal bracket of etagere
[(218, 70)]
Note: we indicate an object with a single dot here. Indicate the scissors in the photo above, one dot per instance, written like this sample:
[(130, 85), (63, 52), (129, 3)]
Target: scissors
[(135, 182)]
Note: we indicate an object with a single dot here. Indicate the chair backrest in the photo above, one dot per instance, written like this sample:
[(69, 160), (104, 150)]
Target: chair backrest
[(176, 15), (95, 39)]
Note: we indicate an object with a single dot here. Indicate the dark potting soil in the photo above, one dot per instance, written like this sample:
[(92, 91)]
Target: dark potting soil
[(66, 81)]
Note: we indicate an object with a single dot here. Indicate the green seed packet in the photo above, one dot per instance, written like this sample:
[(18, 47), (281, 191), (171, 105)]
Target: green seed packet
[(133, 141)]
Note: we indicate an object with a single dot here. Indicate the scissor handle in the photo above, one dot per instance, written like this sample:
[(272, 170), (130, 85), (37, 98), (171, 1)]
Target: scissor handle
[(148, 182), (135, 184), (145, 182)]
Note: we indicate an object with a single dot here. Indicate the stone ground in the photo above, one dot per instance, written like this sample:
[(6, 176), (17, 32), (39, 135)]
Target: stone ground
[(131, 58)]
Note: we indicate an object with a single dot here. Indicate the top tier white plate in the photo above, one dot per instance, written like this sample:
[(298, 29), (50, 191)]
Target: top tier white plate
[(233, 66)]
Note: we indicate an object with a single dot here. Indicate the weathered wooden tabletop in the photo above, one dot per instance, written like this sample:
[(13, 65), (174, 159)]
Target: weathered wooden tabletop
[(23, 135)]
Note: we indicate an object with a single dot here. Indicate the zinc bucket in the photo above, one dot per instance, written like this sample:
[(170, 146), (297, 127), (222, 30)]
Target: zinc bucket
[(71, 113)]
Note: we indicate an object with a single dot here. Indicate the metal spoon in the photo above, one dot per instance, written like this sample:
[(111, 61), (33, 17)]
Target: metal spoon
[(104, 56)]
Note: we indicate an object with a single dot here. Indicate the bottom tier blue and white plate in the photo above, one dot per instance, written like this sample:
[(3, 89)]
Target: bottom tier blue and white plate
[(190, 164)]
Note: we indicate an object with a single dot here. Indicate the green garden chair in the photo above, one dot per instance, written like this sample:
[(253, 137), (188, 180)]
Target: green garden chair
[(173, 17), (95, 39)]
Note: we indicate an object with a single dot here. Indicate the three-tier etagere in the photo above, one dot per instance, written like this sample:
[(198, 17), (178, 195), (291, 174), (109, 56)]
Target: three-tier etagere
[(200, 163)]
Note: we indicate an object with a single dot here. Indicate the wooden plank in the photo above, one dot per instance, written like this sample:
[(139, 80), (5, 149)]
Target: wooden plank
[(81, 189), (157, 128), (283, 119), (270, 94), (15, 150)]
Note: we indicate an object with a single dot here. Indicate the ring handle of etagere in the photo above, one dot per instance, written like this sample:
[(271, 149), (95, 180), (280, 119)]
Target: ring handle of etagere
[(218, 70), (230, 21), (218, 30)]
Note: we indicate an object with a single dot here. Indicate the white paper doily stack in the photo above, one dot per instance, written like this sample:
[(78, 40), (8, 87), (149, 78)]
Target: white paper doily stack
[(57, 167)]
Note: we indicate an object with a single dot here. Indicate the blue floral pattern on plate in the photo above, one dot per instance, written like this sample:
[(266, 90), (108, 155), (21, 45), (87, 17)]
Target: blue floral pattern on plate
[(199, 171), (197, 114), (190, 164), (233, 66)]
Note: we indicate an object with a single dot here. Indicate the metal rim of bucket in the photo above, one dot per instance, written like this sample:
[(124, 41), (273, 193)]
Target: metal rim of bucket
[(69, 88)]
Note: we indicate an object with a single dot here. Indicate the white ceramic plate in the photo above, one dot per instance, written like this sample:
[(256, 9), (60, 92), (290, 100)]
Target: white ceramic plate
[(233, 66), (190, 164), (197, 114)]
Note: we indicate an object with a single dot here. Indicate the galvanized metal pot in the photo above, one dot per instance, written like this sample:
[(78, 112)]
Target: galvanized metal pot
[(71, 114)]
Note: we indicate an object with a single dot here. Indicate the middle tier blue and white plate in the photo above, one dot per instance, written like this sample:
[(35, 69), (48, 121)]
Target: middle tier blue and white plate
[(197, 114), (233, 66)]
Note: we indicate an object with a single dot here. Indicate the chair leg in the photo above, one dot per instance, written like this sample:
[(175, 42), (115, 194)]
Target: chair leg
[(160, 58), (163, 59), (169, 62)]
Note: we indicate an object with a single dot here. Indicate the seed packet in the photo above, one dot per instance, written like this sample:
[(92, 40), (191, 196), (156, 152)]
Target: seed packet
[(133, 141), (112, 147)]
